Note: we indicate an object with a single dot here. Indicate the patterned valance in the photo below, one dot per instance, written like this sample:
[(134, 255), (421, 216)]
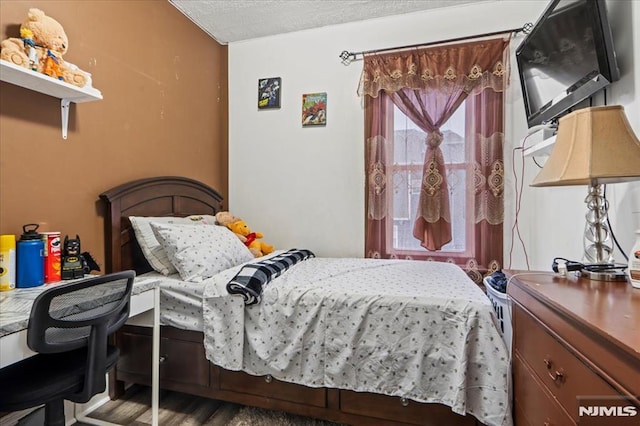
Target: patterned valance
[(474, 65)]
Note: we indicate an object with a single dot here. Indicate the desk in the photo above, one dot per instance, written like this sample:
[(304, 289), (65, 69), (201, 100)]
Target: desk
[(15, 308)]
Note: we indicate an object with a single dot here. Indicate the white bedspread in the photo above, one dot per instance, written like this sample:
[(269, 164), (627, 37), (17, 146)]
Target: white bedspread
[(420, 330)]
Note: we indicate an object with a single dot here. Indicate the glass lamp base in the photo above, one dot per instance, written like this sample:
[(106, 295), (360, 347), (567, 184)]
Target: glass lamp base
[(612, 275)]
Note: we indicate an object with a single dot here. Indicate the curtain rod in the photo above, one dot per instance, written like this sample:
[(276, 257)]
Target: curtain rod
[(348, 57)]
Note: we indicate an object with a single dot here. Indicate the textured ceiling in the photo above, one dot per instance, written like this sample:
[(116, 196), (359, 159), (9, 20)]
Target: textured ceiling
[(234, 20)]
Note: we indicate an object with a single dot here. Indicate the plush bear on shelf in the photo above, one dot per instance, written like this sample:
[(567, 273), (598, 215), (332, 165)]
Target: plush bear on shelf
[(41, 46), (244, 233)]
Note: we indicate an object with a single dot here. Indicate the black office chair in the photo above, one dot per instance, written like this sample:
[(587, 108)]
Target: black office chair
[(68, 327)]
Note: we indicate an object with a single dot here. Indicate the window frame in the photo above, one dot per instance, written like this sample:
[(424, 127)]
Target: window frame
[(468, 164)]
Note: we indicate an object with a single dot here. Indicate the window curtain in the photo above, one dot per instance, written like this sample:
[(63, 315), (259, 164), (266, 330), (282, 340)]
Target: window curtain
[(379, 126), (429, 111), (427, 85), (485, 130)]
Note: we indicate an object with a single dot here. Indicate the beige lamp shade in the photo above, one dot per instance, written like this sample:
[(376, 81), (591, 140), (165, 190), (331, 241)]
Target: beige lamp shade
[(593, 146)]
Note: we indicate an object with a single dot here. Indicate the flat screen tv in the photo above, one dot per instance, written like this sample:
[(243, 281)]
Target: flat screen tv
[(567, 57)]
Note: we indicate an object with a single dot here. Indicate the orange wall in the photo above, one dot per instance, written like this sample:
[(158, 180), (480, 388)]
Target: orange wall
[(164, 83)]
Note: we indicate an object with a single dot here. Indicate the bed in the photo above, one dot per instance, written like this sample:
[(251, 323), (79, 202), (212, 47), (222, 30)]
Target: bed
[(219, 362)]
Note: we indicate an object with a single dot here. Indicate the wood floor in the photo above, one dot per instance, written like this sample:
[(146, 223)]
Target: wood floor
[(175, 409)]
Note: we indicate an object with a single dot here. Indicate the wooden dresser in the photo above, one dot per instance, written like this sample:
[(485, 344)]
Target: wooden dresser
[(572, 337)]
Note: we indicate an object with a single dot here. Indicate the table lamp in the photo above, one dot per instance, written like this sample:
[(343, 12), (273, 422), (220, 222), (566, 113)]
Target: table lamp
[(594, 146)]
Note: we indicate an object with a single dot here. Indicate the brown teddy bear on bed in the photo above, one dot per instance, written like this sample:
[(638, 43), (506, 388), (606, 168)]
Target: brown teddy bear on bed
[(244, 233)]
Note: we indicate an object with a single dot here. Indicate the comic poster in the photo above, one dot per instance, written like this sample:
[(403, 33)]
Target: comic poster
[(269, 93), (314, 109)]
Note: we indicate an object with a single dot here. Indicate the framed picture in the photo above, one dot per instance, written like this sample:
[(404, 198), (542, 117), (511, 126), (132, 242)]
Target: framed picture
[(314, 109), (269, 92)]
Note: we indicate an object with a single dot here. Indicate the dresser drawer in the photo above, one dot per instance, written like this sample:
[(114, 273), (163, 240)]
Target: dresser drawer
[(534, 405), (135, 352), (401, 410), (182, 361), (269, 387), (559, 370)]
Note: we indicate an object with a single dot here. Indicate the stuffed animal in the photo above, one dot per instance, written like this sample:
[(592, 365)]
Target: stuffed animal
[(225, 218), (258, 248), (42, 44), (243, 232)]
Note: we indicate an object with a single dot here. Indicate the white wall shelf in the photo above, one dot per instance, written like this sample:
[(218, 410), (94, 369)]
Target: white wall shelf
[(541, 148), (42, 83)]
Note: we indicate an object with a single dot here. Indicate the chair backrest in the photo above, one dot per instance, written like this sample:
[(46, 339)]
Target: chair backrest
[(81, 314)]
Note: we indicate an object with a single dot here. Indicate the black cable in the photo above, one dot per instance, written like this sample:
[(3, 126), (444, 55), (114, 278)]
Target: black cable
[(561, 264), (537, 164), (613, 236)]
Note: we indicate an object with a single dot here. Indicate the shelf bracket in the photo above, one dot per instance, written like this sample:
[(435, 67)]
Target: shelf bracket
[(64, 109)]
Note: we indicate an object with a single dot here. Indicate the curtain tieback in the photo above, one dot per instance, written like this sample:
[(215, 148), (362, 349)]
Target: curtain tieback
[(434, 139)]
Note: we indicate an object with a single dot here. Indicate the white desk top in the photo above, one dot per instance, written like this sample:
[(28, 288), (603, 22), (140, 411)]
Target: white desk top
[(15, 305)]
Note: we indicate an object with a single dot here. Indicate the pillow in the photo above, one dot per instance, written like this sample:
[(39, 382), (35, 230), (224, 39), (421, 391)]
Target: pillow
[(151, 248), (200, 252)]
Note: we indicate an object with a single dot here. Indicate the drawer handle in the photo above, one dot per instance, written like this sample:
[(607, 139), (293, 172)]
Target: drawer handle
[(404, 402), (556, 376), (268, 378), (162, 359)]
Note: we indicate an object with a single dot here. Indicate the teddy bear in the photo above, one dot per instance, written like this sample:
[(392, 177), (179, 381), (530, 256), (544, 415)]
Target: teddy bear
[(244, 233), (41, 46), (225, 218)]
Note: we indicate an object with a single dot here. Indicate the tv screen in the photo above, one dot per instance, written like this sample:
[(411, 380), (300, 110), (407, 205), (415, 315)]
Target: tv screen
[(567, 57)]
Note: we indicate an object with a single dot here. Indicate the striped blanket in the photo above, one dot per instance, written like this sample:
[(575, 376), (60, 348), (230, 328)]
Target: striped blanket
[(249, 282)]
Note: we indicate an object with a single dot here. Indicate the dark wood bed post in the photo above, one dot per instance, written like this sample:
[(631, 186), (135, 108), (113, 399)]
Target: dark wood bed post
[(157, 196)]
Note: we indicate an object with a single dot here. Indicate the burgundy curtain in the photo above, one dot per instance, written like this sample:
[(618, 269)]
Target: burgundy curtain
[(429, 111), (428, 85), (474, 65), (485, 128), (377, 152)]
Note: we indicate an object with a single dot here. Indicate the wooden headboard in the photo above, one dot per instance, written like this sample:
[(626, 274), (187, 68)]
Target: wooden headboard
[(158, 196)]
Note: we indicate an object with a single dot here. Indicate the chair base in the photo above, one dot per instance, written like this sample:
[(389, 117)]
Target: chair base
[(82, 418), (37, 418), (51, 414), (34, 418)]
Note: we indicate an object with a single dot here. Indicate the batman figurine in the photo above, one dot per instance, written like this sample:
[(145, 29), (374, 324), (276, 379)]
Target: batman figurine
[(74, 263)]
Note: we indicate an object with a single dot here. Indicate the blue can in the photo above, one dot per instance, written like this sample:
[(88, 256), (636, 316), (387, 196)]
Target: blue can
[(30, 258)]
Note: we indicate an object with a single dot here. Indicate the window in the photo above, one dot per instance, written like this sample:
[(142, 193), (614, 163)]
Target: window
[(434, 136), (409, 150)]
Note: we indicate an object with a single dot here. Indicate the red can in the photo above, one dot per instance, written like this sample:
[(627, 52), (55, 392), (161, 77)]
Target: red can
[(52, 253)]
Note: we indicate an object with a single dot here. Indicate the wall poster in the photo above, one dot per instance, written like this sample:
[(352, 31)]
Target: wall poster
[(269, 92), (314, 109)]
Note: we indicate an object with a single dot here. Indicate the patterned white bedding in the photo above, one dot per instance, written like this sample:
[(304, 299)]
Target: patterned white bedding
[(420, 330), (180, 301)]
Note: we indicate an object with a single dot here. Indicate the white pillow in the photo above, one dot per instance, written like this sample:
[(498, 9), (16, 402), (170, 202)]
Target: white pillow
[(200, 252), (151, 248)]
